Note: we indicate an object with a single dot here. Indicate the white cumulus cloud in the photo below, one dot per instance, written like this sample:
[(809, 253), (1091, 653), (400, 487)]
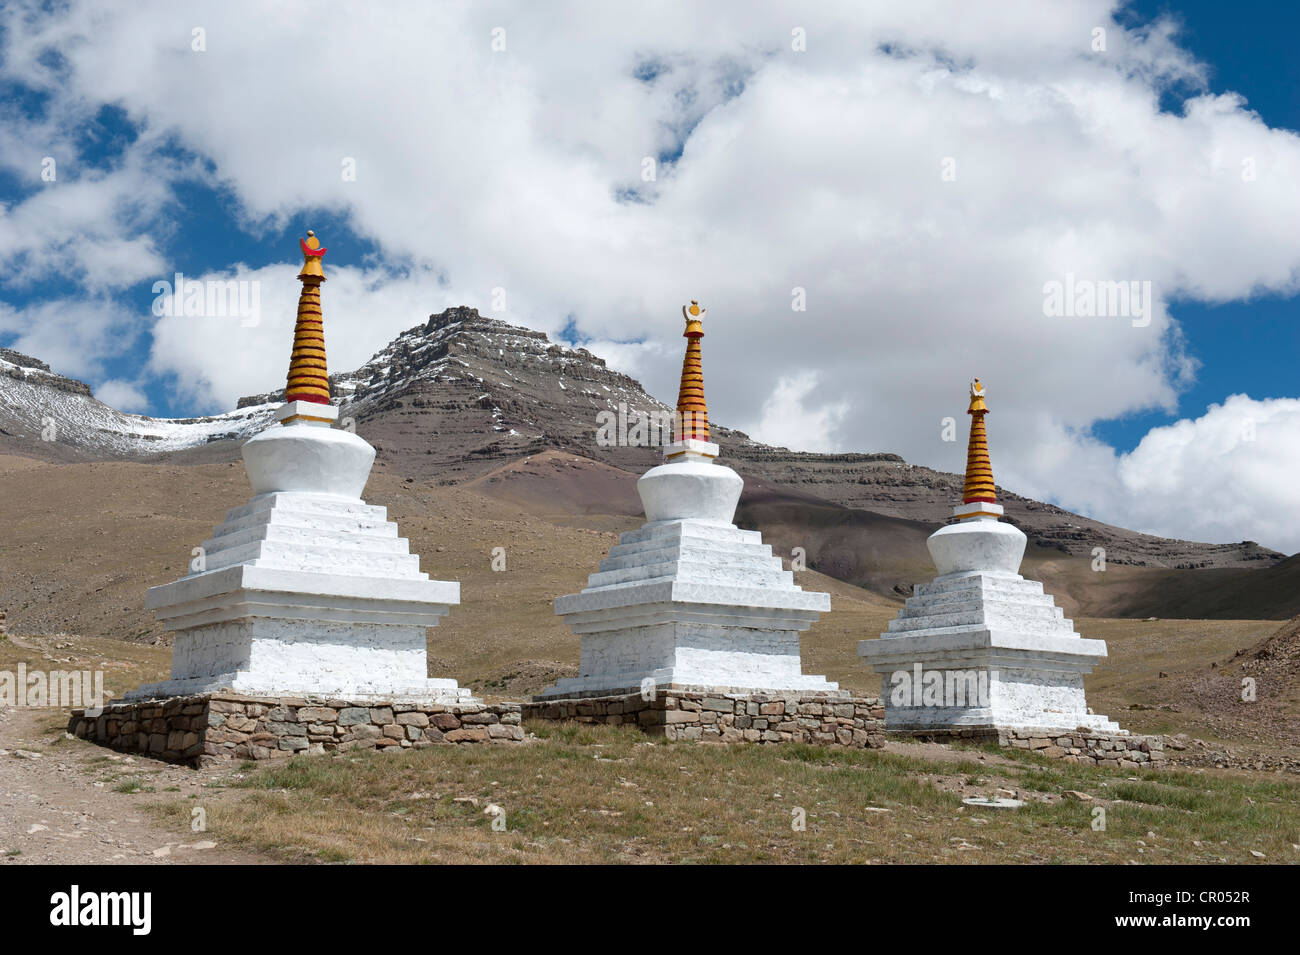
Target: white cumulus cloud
[(917, 174)]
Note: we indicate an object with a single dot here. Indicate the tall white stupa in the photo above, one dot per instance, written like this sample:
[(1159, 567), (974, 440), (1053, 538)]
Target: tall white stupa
[(980, 646), (307, 590), (690, 600)]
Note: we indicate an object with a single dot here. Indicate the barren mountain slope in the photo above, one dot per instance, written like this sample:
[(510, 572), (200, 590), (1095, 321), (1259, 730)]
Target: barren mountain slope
[(461, 395)]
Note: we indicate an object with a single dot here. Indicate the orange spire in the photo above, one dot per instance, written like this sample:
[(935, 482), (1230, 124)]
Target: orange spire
[(979, 472), (308, 376), (692, 412)]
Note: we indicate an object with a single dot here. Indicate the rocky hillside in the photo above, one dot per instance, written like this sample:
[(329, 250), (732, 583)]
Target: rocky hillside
[(460, 395), (886, 484), (45, 415)]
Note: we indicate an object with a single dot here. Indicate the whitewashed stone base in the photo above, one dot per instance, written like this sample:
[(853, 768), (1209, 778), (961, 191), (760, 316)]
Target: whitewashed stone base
[(301, 593), (690, 602), (1008, 635)]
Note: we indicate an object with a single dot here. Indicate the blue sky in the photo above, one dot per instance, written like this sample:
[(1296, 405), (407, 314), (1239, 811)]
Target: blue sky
[(784, 171), (1244, 347)]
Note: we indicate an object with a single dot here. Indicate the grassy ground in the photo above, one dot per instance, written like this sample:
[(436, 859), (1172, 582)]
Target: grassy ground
[(611, 795), (607, 794)]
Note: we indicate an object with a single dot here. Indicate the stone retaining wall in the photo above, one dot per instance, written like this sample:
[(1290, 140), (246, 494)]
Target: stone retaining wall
[(729, 717), (1116, 750), (207, 727)]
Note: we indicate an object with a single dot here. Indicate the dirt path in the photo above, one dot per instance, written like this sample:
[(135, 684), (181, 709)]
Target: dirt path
[(57, 807)]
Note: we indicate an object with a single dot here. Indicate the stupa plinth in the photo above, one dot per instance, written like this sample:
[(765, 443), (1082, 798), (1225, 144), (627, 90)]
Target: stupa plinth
[(306, 590), (981, 647), (690, 600)]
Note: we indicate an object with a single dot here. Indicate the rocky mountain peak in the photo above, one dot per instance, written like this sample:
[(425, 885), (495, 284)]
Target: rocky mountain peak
[(16, 365), (20, 360)]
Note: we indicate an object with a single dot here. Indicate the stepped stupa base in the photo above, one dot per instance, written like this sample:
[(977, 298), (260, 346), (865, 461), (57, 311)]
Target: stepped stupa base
[(988, 651), (286, 633), (261, 621), (690, 602), (704, 655)]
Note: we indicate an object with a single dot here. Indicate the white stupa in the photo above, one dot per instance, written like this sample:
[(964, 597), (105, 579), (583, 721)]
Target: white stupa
[(307, 590), (690, 600), (981, 646)]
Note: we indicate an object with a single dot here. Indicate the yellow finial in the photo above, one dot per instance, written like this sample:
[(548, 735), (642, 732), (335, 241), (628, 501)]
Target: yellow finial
[(312, 254), (979, 471), (693, 313), (308, 374), (692, 412)]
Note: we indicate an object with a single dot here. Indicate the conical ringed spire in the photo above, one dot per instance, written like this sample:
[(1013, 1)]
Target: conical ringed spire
[(308, 374), (692, 411), (979, 494)]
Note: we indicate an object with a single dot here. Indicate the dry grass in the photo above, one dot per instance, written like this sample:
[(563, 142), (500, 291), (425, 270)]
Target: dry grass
[(125, 665), (607, 794), (1129, 688)]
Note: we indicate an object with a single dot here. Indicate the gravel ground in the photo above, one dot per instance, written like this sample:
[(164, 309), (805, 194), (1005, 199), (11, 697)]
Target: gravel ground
[(55, 808)]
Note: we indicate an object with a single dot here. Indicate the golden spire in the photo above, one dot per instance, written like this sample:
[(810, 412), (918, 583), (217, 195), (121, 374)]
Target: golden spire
[(692, 412), (979, 472), (308, 375)]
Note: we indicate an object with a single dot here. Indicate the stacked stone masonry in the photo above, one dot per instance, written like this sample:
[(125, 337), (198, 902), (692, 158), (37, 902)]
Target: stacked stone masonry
[(1113, 750), (729, 717), (207, 727)]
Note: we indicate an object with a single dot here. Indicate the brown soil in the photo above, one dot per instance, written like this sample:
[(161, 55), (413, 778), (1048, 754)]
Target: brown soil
[(61, 799)]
